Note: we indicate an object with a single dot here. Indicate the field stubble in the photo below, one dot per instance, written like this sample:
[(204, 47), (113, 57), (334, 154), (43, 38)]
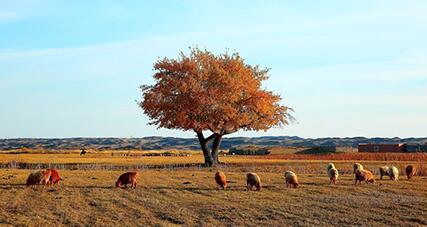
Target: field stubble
[(188, 196)]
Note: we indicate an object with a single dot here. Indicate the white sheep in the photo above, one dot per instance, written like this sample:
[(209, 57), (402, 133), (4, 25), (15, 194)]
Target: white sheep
[(330, 166), (357, 166), (252, 179), (393, 173), (383, 171), (333, 175), (291, 179)]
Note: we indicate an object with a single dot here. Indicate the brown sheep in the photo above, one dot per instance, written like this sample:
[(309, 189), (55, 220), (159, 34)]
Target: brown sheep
[(252, 179), (291, 179), (410, 171), (38, 177), (221, 180), (127, 178), (34, 178), (54, 177), (364, 175)]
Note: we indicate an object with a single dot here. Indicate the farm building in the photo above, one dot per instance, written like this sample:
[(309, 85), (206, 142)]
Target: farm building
[(371, 147), (249, 150), (416, 148)]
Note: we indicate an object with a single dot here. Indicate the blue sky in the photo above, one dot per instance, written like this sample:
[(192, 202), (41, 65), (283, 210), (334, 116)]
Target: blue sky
[(348, 68)]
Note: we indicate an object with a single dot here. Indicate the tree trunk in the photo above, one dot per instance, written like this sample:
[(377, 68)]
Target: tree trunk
[(215, 148), (204, 145), (211, 157)]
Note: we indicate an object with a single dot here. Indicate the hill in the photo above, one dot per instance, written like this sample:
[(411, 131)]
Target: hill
[(155, 143)]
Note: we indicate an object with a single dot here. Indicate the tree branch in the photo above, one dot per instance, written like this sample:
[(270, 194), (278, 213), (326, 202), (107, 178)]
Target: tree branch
[(211, 137), (208, 139)]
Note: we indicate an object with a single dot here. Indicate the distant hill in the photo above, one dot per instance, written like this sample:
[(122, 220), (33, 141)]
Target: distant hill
[(154, 143)]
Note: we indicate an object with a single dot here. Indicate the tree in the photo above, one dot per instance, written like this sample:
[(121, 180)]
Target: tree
[(203, 92)]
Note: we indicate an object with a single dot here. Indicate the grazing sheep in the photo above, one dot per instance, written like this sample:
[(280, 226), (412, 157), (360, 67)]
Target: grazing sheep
[(54, 177), (330, 166), (127, 178), (357, 166), (333, 175), (221, 180), (291, 179), (252, 179), (45, 177), (393, 173), (34, 178), (410, 171), (38, 177), (364, 175), (383, 171)]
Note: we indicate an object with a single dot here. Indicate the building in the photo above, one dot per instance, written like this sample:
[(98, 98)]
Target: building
[(372, 147), (416, 148)]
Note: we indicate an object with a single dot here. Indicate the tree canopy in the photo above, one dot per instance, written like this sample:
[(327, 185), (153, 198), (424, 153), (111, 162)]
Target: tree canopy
[(207, 92)]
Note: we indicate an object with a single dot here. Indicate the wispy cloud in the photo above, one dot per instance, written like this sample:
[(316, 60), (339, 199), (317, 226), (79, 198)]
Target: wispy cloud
[(342, 66), (6, 16)]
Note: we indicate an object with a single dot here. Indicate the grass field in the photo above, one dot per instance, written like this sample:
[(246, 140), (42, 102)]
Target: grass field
[(188, 196)]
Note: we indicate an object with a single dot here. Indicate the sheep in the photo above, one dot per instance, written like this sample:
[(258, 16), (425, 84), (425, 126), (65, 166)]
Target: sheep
[(34, 178), (410, 171), (393, 173), (221, 180), (333, 175), (54, 177), (252, 179), (357, 166), (45, 177), (291, 179), (383, 171), (38, 177), (330, 166), (127, 178), (364, 175)]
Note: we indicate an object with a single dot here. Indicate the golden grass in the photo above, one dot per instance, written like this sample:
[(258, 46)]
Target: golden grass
[(99, 157), (189, 197), (136, 157)]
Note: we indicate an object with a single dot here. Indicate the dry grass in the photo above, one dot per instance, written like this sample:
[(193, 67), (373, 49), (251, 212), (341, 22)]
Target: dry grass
[(99, 157), (188, 196), (308, 164), (120, 157), (351, 156)]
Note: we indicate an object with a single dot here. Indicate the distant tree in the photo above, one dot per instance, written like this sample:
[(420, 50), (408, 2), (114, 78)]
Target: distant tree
[(203, 92)]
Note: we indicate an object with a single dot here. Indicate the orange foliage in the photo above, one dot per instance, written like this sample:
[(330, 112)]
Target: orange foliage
[(219, 93)]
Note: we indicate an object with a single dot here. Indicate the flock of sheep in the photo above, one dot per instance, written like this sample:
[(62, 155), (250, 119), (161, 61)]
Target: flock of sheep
[(291, 179), (52, 177)]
